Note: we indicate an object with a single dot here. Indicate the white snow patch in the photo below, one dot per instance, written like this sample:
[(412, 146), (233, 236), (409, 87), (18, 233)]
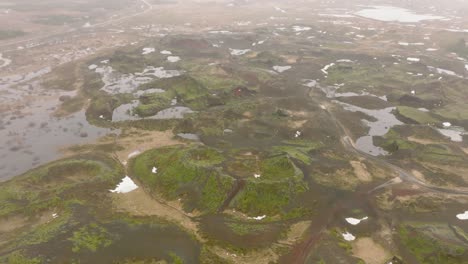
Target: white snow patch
[(443, 71), (279, 9), (446, 124), (355, 221), (239, 52), (463, 216), (281, 69), (325, 69), (348, 236), (413, 59), (166, 52), (92, 66), (154, 170), (4, 61), (258, 218), (148, 51), (125, 186), (256, 176), (173, 58), (301, 28)]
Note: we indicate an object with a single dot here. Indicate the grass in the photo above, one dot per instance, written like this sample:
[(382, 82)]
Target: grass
[(189, 173), (416, 115), (17, 257), (8, 34), (50, 185), (428, 250), (267, 198), (246, 228), (90, 238), (298, 149), (55, 20)]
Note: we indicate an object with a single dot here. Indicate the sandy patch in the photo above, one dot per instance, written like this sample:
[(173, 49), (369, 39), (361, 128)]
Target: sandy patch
[(368, 250), (465, 150), (296, 232), (297, 124), (15, 222), (421, 141), (140, 203), (360, 170), (143, 141), (418, 175)]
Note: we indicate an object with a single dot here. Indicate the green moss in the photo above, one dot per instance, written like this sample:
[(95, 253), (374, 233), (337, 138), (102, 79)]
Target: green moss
[(175, 259), (277, 168), (184, 172), (91, 238), (298, 149), (7, 34), (187, 89), (50, 185), (45, 232), (18, 258), (457, 111), (267, 198), (428, 250), (246, 228), (416, 115)]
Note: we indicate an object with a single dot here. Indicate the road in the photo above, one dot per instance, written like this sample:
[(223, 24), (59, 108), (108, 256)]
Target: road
[(403, 174), (148, 8)]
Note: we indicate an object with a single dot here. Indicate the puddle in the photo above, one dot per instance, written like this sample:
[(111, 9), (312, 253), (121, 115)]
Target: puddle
[(148, 91), (454, 133), (443, 71), (125, 113), (115, 83), (28, 142), (189, 136), (31, 136), (395, 14), (385, 120)]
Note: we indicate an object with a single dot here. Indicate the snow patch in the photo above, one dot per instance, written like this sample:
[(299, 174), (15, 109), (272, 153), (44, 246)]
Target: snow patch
[(355, 221), (413, 59), (281, 69), (239, 52), (348, 236), (173, 58), (148, 51), (463, 216), (125, 186)]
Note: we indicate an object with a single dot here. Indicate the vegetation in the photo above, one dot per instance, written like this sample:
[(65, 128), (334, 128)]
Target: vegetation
[(428, 250), (91, 237), (8, 34)]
